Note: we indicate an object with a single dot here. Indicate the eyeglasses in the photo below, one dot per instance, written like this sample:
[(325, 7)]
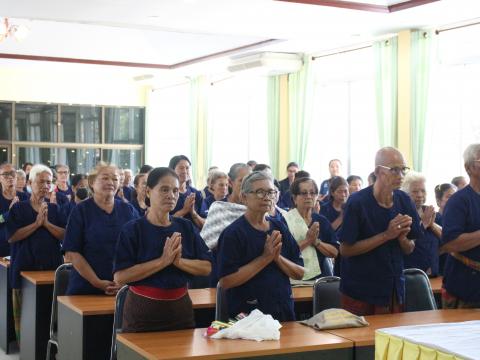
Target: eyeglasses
[(308, 193), (62, 172), (261, 194), (9, 174), (396, 170)]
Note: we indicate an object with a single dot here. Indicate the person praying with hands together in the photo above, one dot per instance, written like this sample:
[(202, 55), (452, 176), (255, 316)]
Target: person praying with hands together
[(313, 232), (34, 229), (92, 232), (380, 224), (257, 255), (157, 255)]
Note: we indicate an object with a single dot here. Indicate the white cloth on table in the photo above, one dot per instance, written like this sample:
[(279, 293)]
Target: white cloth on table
[(460, 339)]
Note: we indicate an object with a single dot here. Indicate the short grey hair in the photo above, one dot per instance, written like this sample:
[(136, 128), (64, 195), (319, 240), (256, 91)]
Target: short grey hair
[(37, 169), (470, 154), (235, 169), (411, 178), (21, 174), (214, 176), (253, 177)]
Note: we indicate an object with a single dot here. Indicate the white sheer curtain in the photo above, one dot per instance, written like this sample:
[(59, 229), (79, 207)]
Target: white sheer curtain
[(453, 117), (344, 125), (237, 111)]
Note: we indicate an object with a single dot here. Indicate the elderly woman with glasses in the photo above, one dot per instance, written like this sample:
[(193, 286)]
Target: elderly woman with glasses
[(461, 239), (257, 255), (8, 197), (35, 229), (313, 232), (425, 256)]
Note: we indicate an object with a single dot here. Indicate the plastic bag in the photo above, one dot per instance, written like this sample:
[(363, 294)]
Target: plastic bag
[(256, 326)]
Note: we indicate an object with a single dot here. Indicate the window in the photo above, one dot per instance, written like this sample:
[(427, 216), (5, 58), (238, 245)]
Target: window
[(453, 113), (5, 121), (36, 122), (127, 159), (124, 125), (80, 124), (344, 123), (44, 133), (237, 117)]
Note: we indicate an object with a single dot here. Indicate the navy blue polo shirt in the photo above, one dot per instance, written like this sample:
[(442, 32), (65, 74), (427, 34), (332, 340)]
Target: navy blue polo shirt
[(372, 277), (425, 255), (462, 215), (269, 290), (93, 233), (327, 210), (209, 200), (4, 212), (326, 235), (40, 250), (140, 241)]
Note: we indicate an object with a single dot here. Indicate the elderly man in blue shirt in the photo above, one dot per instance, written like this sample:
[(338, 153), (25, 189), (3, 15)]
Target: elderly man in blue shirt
[(379, 225), (461, 239)]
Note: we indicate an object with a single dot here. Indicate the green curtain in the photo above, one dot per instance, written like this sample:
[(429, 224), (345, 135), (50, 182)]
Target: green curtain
[(200, 135), (300, 101), (273, 122), (420, 64), (386, 72)]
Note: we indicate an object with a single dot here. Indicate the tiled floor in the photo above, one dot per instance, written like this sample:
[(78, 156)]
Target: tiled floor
[(14, 354)]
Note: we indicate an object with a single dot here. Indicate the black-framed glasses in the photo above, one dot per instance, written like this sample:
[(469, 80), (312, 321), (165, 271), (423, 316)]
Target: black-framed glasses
[(262, 194), (397, 170), (9, 174), (308, 193)]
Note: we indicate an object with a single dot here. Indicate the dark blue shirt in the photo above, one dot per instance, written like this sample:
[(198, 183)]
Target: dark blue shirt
[(327, 210), (93, 233), (209, 200), (141, 211), (4, 211), (269, 290), (68, 193), (140, 241), (373, 276), (127, 192), (40, 250), (324, 187), (462, 215), (198, 203), (425, 255), (326, 235)]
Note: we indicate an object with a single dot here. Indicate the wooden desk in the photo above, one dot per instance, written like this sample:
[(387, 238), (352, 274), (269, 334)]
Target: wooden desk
[(364, 338), (37, 292), (85, 321), (296, 341), (7, 329)]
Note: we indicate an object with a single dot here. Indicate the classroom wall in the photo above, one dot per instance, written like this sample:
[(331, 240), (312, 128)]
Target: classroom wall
[(72, 85)]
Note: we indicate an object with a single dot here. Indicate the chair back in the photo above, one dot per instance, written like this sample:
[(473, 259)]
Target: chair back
[(326, 293), (62, 276), (118, 319), (418, 291), (221, 308)]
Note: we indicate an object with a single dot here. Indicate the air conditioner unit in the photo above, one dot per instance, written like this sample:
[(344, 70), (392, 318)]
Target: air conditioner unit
[(266, 63)]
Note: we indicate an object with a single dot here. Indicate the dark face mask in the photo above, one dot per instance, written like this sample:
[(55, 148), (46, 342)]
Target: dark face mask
[(82, 193)]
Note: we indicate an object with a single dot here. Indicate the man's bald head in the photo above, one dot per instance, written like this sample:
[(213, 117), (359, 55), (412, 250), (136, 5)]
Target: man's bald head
[(388, 156)]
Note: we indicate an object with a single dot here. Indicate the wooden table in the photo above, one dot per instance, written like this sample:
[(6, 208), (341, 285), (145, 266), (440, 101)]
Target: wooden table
[(7, 329), (296, 342), (364, 338), (85, 321), (37, 292)]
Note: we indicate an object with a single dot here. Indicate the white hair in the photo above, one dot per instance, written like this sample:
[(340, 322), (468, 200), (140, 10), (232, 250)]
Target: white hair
[(37, 169), (411, 178), (470, 154)]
